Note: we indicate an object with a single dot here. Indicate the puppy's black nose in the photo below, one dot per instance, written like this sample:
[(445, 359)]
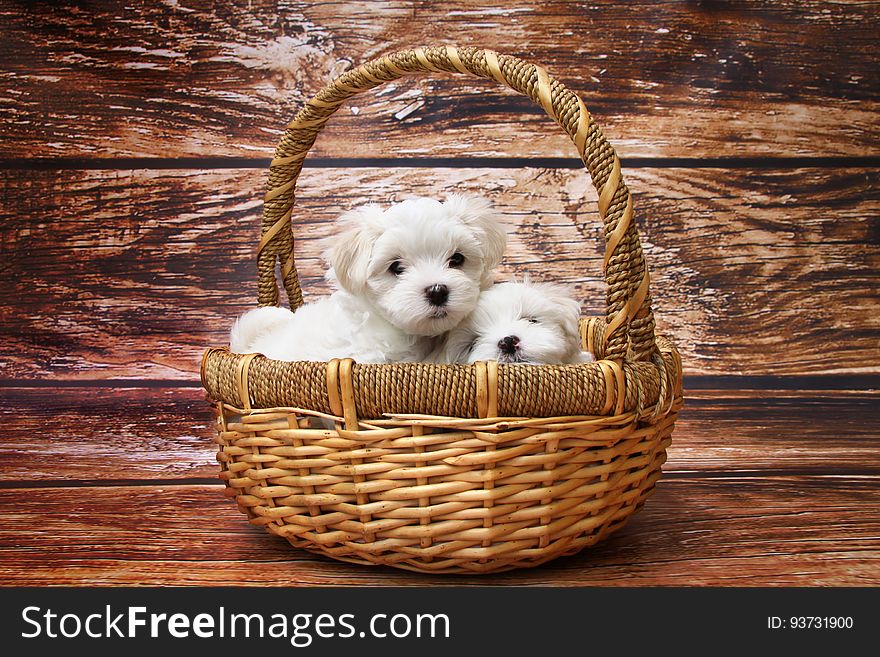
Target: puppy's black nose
[(509, 345), (438, 295)]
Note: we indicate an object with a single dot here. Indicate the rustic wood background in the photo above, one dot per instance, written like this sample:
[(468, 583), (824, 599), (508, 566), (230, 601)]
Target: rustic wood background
[(136, 138)]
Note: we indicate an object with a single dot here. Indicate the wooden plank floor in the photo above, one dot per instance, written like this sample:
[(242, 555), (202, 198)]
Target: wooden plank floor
[(135, 147)]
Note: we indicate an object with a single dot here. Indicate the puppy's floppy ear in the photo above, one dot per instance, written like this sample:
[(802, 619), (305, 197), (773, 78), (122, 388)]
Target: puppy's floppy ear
[(566, 309), (485, 222), (568, 313), (348, 252)]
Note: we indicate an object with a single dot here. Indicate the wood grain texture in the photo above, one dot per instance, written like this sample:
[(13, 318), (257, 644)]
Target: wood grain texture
[(127, 274), (53, 435), (675, 79), (761, 431), (109, 434), (745, 532), (120, 274)]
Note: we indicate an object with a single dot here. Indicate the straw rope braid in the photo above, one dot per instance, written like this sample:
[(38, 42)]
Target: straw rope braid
[(626, 273), (603, 387)]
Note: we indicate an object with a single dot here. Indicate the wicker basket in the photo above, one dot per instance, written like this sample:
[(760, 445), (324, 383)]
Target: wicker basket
[(450, 468)]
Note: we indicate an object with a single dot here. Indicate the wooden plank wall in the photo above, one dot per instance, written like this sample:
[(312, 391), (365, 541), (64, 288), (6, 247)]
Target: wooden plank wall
[(135, 144)]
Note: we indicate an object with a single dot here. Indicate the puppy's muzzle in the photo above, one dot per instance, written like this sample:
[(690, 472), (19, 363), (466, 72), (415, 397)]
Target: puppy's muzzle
[(509, 345), (437, 295)]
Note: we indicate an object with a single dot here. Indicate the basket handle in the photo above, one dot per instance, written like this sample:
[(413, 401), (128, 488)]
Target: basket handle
[(630, 321)]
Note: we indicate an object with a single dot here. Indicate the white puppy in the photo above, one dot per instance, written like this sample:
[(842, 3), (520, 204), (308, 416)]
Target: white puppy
[(404, 276), (518, 323)]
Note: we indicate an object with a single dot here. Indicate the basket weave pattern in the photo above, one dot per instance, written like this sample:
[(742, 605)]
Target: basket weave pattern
[(450, 468)]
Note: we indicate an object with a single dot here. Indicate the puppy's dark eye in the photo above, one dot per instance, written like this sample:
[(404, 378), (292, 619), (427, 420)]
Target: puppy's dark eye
[(396, 268), (456, 261), (532, 320)]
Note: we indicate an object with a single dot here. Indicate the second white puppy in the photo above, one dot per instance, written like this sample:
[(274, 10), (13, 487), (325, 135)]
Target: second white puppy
[(526, 322), (404, 276)]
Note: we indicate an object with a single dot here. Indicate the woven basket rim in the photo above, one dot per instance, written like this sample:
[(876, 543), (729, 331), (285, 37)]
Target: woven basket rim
[(604, 387)]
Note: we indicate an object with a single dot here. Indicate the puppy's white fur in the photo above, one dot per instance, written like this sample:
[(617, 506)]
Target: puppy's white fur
[(381, 313), (541, 319)]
